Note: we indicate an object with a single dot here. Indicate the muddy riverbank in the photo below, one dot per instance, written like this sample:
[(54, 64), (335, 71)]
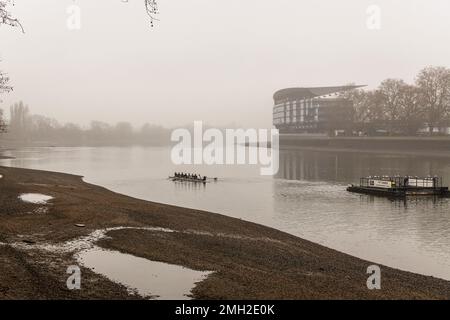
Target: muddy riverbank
[(247, 260)]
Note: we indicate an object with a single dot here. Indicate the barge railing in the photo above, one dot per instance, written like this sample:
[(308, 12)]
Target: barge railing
[(401, 182)]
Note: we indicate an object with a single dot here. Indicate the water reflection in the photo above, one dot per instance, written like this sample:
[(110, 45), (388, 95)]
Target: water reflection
[(189, 186), (410, 233), (347, 167), (151, 279)]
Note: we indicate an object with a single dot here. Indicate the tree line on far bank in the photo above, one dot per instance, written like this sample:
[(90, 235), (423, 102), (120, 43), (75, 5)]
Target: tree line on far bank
[(26, 129), (394, 108), (399, 108)]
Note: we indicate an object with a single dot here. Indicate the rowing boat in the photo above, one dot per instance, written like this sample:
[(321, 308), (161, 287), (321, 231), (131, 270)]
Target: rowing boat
[(192, 179), (188, 180)]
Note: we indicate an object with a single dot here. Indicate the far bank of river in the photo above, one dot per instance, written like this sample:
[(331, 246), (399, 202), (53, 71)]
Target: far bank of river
[(420, 146)]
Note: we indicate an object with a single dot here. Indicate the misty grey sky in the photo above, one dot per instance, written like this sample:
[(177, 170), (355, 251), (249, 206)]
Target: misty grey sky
[(210, 60)]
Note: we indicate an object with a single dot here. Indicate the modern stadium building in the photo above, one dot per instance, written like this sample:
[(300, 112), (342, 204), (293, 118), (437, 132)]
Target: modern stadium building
[(313, 110)]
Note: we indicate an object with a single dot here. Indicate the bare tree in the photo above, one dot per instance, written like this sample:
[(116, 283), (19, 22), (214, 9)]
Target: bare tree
[(390, 90), (375, 106), (401, 108), (367, 109), (411, 109), (434, 85), (358, 98)]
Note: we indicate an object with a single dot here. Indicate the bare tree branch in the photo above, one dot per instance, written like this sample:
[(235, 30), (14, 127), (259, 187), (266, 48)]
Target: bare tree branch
[(7, 19), (151, 6), (5, 16)]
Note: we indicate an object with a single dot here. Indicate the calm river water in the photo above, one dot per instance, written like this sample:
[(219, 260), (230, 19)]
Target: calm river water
[(307, 198)]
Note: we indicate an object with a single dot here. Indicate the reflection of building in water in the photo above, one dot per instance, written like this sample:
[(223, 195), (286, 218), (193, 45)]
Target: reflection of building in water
[(312, 110), (312, 166), (349, 167)]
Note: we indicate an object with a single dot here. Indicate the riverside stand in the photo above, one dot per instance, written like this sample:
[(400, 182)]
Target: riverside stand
[(398, 186)]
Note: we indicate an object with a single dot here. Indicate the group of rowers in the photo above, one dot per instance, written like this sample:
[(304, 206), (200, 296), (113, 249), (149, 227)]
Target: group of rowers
[(189, 176)]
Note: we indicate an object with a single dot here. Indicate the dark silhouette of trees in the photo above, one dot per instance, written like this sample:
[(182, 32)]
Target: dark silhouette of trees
[(29, 129)]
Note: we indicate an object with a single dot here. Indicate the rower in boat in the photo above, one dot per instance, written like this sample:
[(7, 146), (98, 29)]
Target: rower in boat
[(190, 177)]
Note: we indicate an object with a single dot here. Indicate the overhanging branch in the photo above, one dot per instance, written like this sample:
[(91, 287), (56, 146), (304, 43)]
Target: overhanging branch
[(5, 16), (151, 6)]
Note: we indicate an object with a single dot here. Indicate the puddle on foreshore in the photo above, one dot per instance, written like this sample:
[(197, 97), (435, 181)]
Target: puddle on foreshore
[(151, 279), (35, 198), (84, 242)]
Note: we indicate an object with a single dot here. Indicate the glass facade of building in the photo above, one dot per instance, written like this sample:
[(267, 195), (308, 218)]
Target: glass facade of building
[(312, 110)]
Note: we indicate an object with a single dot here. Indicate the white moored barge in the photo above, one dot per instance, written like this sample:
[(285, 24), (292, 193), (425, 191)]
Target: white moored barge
[(398, 186)]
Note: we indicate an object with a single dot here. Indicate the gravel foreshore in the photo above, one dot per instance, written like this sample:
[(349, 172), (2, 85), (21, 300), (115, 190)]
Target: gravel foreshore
[(249, 261)]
